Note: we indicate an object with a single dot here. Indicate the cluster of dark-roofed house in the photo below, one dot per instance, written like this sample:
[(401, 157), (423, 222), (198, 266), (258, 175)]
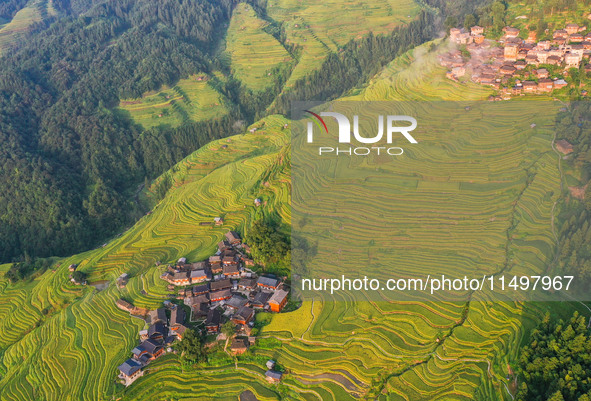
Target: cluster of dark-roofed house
[(218, 290), (155, 341), (494, 66), (225, 279)]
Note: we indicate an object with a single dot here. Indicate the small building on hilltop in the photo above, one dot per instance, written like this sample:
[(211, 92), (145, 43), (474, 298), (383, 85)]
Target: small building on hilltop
[(243, 316), (148, 351), (198, 276), (571, 28), (122, 280), (231, 270), (220, 284), (158, 315), (157, 331), (177, 318), (220, 295), (260, 300), (130, 371), (239, 346), (530, 87), (247, 284), (233, 238), (564, 147), (511, 51), (178, 278), (273, 376), (236, 302), (510, 32), (124, 305), (201, 289), (545, 85), (508, 70), (560, 83), (542, 73), (213, 321), (224, 245), (476, 30)]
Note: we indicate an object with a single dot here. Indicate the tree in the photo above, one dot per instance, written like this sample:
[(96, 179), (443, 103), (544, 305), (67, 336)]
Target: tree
[(498, 15), (191, 348), (268, 244), (228, 329), (557, 396), (451, 22), (469, 21), (79, 277), (554, 365)]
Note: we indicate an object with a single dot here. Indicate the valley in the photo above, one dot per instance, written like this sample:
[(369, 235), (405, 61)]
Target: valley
[(474, 196)]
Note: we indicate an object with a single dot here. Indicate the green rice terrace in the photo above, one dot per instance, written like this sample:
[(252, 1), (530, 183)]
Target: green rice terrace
[(312, 25), (191, 99), (253, 52), (59, 338), (35, 11)]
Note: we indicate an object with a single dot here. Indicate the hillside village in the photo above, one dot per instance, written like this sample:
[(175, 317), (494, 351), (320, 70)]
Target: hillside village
[(214, 292), (516, 66)]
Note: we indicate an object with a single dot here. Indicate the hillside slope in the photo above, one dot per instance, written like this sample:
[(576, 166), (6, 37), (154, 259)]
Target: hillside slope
[(58, 334), (333, 349)]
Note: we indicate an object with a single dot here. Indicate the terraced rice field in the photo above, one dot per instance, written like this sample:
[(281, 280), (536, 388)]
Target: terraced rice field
[(35, 11), (404, 79), (191, 99), (493, 218), (253, 52), (58, 335), (313, 26), (333, 347), (418, 350)]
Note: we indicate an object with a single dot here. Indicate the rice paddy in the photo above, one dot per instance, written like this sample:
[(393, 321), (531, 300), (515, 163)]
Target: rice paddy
[(35, 11), (312, 25), (58, 334), (62, 339), (252, 51), (191, 99)]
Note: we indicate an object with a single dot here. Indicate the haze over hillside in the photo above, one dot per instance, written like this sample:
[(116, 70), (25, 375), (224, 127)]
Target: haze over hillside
[(182, 73), (137, 133)]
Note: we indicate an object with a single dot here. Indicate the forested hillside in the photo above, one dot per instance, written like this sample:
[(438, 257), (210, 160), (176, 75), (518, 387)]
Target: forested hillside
[(9, 8), (73, 161), (70, 165)]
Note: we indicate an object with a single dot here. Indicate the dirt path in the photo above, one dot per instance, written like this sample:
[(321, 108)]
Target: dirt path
[(312, 322)]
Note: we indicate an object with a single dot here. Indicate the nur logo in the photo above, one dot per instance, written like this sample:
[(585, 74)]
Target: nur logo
[(345, 133)]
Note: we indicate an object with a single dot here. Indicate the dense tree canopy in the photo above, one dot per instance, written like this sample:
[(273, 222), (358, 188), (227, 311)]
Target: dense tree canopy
[(556, 364), (69, 163), (191, 348), (25, 268), (268, 244)]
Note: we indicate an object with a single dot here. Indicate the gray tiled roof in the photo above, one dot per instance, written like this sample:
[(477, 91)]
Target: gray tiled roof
[(129, 367)]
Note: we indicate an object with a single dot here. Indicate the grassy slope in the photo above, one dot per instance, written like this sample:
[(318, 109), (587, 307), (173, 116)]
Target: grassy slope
[(318, 29), (34, 12), (83, 330), (332, 350), (252, 51), (189, 100)]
